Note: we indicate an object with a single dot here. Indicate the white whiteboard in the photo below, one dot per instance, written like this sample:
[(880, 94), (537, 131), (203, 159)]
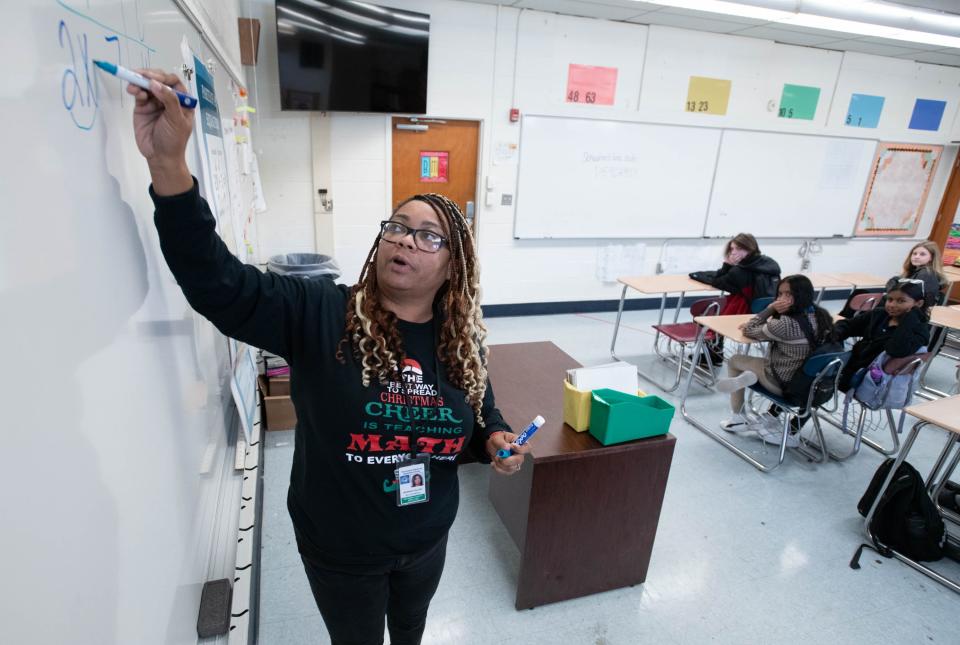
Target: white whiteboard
[(788, 185), (118, 422), (581, 178)]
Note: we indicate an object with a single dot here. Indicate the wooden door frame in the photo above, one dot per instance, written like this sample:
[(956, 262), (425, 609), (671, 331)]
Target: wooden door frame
[(388, 169), (947, 213)]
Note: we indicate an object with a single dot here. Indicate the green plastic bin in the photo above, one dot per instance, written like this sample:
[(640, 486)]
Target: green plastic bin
[(616, 417)]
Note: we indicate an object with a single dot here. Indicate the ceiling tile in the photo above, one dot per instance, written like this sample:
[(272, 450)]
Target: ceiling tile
[(901, 43), (940, 58), (858, 45), (709, 15), (687, 22), (785, 36), (574, 8), (637, 7)]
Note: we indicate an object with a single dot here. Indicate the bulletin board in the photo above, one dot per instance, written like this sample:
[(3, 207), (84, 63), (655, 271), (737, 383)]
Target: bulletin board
[(897, 190)]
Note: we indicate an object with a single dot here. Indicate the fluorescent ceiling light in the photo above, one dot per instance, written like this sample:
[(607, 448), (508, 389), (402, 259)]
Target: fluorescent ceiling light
[(285, 26), (320, 23), (387, 12), (865, 8)]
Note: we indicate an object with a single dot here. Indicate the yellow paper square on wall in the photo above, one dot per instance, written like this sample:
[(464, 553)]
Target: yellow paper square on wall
[(708, 95)]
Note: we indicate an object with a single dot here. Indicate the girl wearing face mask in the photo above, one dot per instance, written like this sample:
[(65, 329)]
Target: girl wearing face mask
[(899, 328)]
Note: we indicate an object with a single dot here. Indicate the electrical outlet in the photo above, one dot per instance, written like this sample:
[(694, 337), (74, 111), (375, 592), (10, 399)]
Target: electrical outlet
[(804, 264)]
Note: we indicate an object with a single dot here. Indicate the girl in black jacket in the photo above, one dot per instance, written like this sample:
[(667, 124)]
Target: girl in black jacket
[(746, 274), (899, 328)]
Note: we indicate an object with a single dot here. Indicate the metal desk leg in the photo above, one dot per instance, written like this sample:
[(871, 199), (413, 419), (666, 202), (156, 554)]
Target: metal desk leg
[(712, 433), (924, 390), (676, 312), (930, 573), (616, 325)]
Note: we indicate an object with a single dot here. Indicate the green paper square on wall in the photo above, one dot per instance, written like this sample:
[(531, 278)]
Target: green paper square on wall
[(798, 102)]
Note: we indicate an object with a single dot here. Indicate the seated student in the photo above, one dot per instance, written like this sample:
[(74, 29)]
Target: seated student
[(923, 262), (794, 325), (746, 274), (899, 328)]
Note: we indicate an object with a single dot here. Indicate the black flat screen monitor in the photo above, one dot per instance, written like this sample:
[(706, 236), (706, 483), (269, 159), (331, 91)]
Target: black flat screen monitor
[(351, 56)]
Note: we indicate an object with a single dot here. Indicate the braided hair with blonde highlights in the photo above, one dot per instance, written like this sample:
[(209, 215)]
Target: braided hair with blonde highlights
[(371, 331)]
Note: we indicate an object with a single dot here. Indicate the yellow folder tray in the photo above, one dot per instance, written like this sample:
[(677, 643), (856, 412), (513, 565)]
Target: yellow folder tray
[(576, 407)]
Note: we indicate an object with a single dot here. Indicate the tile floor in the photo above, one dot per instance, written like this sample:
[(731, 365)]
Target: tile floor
[(740, 556)]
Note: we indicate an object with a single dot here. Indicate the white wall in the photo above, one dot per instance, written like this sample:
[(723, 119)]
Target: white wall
[(474, 52), (282, 141)]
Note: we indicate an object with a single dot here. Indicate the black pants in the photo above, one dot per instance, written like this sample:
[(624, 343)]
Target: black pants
[(353, 599)]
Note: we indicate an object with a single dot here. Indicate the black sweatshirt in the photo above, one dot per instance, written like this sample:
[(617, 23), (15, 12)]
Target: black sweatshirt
[(349, 438), (755, 276), (876, 334)]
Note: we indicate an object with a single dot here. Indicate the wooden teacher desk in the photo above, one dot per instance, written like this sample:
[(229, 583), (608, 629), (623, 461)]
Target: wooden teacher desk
[(583, 515)]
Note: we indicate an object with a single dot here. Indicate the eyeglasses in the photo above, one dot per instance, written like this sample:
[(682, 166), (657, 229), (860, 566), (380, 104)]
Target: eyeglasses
[(913, 281), (425, 239)]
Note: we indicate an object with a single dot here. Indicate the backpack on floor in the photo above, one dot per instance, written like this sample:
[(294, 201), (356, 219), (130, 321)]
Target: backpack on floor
[(906, 520)]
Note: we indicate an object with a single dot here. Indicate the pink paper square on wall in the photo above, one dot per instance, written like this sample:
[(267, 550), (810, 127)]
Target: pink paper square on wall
[(591, 84)]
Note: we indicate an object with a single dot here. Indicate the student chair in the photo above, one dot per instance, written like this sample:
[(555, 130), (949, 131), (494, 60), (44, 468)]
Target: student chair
[(824, 369), (895, 367), (759, 304), (684, 334), (864, 302)]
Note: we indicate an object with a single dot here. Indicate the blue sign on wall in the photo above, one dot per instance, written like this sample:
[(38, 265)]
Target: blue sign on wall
[(927, 114), (864, 111)]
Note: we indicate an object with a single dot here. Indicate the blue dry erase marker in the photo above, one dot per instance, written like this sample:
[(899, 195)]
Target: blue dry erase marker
[(125, 74), (503, 453)]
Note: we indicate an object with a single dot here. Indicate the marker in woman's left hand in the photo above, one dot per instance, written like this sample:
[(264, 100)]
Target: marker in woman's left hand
[(503, 453)]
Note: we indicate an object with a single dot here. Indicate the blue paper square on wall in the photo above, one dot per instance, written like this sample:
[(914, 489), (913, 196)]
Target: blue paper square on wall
[(864, 111), (927, 114)]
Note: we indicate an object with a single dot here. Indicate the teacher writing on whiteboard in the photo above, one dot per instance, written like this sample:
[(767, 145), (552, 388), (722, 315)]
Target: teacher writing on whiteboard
[(388, 378)]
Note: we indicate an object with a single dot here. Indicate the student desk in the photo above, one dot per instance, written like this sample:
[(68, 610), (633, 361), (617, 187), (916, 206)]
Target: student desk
[(943, 413), (656, 284), (729, 327), (948, 318), (859, 280), (583, 515), (824, 281), (651, 285)]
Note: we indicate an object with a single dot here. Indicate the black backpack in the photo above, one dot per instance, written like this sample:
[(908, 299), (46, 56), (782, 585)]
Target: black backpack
[(906, 520), (797, 388)]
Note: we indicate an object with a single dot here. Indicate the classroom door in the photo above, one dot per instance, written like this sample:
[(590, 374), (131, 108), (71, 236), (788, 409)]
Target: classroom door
[(440, 159), (947, 216)]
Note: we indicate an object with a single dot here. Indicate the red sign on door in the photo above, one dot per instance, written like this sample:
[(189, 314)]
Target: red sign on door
[(591, 84)]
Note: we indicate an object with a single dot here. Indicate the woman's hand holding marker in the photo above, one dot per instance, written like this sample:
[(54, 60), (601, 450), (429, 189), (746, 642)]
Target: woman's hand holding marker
[(504, 441)]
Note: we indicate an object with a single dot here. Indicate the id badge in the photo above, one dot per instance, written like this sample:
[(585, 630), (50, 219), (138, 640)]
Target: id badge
[(412, 487)]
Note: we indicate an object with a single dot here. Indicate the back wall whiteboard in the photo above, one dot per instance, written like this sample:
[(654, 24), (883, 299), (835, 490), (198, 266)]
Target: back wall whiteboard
[(788, 185), (583, 178)]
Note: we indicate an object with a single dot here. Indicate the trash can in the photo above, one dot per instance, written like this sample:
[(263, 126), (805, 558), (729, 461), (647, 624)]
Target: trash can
[(304, 265)]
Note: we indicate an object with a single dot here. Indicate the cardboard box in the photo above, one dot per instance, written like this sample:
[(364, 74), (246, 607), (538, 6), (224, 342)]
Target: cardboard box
[(279, 386), (278, 411)]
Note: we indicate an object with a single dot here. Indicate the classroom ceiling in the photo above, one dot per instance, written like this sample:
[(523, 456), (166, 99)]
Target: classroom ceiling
[(652, 14)]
